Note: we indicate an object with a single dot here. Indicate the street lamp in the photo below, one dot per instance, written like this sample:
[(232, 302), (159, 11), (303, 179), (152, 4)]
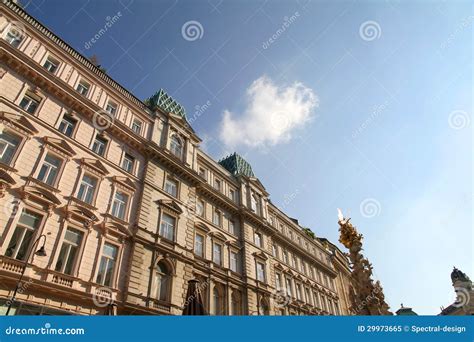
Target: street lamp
[(40, 252)]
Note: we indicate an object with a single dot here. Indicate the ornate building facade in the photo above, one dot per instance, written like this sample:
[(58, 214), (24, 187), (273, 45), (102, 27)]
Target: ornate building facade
[(127, 205)]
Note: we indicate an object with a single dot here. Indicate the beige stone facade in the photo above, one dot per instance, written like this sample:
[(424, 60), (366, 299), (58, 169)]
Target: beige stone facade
[(131, 208)]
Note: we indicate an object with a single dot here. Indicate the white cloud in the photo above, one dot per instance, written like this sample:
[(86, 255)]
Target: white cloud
[(271, 115)]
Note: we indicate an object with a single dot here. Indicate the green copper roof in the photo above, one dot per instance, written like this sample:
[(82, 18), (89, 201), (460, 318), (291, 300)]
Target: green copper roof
[(162, 100), (237, 165)]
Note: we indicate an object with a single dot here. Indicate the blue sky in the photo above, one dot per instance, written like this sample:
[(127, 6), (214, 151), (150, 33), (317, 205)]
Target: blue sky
[(365, 106)]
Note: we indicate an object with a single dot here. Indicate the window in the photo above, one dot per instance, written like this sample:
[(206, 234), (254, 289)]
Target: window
[(236, 303), (217, 254), (176, 147), (200, 207), (111, 108), (274, 251), (67, 125), (336, 307), (260, 272), (51, 65), (119, 205), (202, 172), (99, 146), (217, 184), (278, 283), (69, 251), (8, 146), (308, 296), (258, 239), (289, 289), (303, 267), (128, 163), (199, 245), (234, 261), (171, 187), (107, 265), (83, 88), (87, 189), (23, 235), (49, 170), (218, 298), (216, 217), (14, 36), (233, 195), (316, 299), (167, 227), (29, 104), (137, 126), (162, 282), (232, 227), (254, 204), (298, 292), (285, 257)]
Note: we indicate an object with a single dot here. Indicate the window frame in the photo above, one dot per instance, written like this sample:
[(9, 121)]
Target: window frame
[(17, 148), (85, 85), (174, 226), (115, 266), (128, 156)]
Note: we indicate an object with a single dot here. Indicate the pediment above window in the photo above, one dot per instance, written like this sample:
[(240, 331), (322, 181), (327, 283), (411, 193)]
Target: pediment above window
[(18, 122), (6, 182), (260, 255), (113, 227), (171, 205), (124, 182), (279, 266), (218, 236), (95, 166), (39, 195), (79, 213), (233, 244), (202, 227), (60, 146)]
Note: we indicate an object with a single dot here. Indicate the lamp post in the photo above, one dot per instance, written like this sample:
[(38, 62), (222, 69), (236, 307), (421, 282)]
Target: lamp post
[(40, 252)]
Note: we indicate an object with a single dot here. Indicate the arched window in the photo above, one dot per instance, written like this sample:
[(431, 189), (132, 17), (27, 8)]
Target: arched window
[(218, 301), (236, 301), (162, 281), (176, 146), (264, 308)]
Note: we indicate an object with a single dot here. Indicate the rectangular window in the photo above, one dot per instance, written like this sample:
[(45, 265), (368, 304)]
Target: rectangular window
[(49, 170), (67, 125), (233, 195), (202, 172), (199, 245), (111, 108), (278, 283), (298, 292), (171, 187), (308, 296), (119, 205), (234, 261), (128, 162), (289, 288), (217, 184), (23, 235), (51, 65), (316, 300), (200, 208), (216, 218), (107, 265), (69, 251), (14, 36), (274, 251), (87, 189), (137, 126), (258, 239), (83, 88), (167, 227), (232, 227), (8, 146), (29, 104), (99, 146), (217, 254), (260, 272), (285, 257)]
